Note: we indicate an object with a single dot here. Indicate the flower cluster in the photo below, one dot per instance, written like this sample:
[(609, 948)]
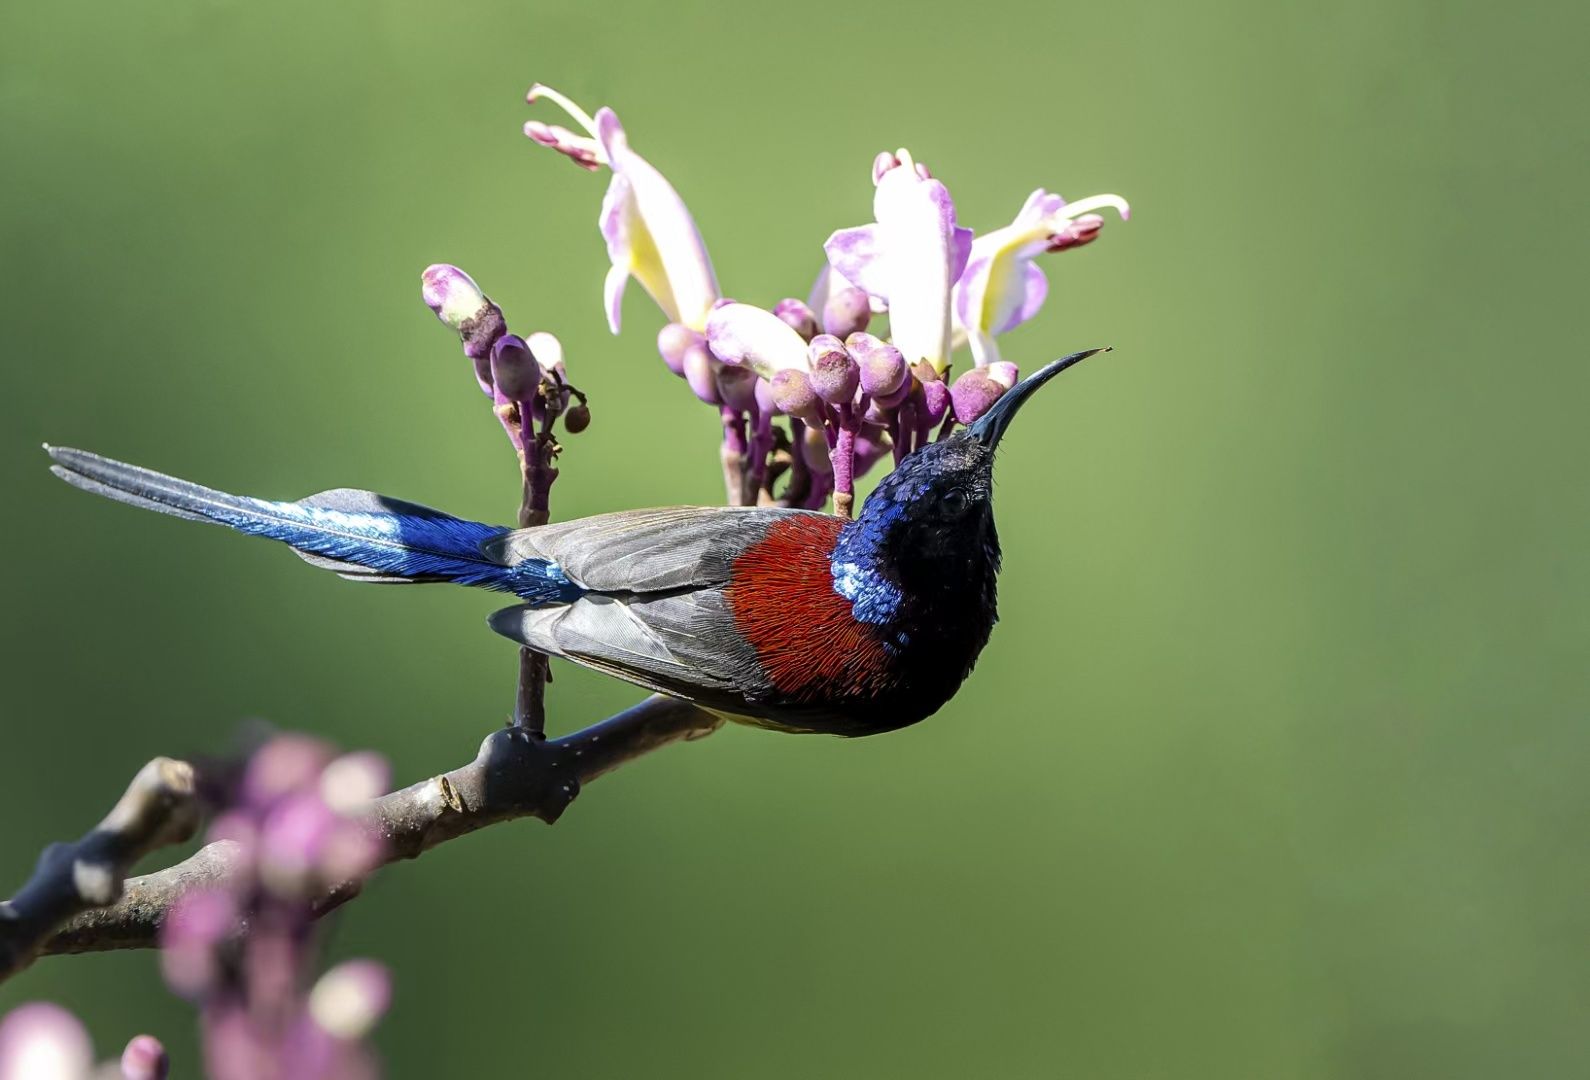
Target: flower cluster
[(524, 377), (244, 951), (849, 394), (298, 837)]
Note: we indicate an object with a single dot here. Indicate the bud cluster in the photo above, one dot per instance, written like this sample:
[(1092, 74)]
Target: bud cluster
[(245, 951), (848, 397), (524, 377)]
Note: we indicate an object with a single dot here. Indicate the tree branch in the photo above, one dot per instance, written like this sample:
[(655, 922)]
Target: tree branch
[(515, 775), (160, 807)]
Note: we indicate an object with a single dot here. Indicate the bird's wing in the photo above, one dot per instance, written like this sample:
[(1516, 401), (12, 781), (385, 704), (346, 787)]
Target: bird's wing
[(678, 643), (657, 614), (644, 551)]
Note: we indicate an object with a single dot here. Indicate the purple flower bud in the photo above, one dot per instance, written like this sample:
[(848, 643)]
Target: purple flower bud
[(737, 387), (797, 316), (286, 764), (350, 851), (291, 841), (145, 1059), (974, 393), (347, 1001), (514, 368), (847, 312), (452, 295), (884, 375), (241, 827), (198, 922), (793, 395), (935, 400), (700, 371), (672, 341), (835, 374)]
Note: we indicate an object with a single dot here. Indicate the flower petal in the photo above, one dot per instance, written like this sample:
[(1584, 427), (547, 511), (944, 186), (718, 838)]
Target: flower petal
[(649, 232), (1023, 300), (1001, 288), (856, 255), (613, 295), (747, 335), (919, 232), (675, 252)]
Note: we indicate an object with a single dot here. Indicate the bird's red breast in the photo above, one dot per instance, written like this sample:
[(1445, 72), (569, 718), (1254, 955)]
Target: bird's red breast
[(783, 601)]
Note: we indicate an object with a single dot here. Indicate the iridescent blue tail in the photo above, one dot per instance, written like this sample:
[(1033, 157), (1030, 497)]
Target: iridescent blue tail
[(358, 534)]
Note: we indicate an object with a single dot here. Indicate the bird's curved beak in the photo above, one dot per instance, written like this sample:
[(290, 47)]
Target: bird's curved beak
[(991, 426)]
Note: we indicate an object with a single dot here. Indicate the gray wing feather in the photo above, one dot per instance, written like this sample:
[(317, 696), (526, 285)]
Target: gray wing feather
[(663, 642), (642, 551)]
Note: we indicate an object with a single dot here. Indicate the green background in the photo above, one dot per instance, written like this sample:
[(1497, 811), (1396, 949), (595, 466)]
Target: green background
[(1276, 765)]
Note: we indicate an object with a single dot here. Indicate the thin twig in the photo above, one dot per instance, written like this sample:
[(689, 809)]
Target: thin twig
[(513, 776), (160, 807)]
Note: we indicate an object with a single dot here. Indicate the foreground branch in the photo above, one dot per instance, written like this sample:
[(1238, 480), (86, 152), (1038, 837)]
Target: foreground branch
[(515, 775), (160, 807)]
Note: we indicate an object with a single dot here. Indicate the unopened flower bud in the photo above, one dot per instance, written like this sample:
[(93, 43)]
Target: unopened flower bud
[(348, 1000), (884, 375), (672, 341), (452, 295), (199, 921), (514, 368), (847, 312), (793, 395), (974, 393), (577, 418), (286, 764), (797, 316), (935, 400), (145, 1059), (353, 780), (1004, 373), (835, 374), (291, 842), (459, 304), (737, 387), (700, 371)]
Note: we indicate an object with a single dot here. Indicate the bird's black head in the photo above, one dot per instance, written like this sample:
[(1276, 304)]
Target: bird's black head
[(933, 517)]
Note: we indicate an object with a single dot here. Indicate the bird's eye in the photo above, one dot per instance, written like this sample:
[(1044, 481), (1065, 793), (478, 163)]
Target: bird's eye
[(954, 502)]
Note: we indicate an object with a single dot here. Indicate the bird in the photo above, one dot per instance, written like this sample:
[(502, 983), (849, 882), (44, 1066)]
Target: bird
[(795, 620)]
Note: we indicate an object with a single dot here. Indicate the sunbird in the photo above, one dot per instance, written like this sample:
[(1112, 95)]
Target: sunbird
[(790, 619)]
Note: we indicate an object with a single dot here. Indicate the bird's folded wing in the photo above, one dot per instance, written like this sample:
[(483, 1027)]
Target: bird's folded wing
[(678, 643), (644, 551)]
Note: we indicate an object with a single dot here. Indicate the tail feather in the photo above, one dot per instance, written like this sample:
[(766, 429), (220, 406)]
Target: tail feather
[(359, 534)]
